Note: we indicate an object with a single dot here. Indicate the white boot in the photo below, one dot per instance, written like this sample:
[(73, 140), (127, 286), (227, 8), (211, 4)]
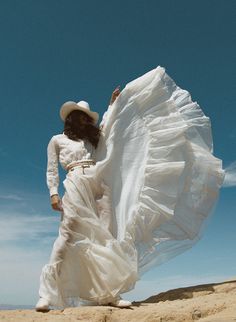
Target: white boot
[(118, 302), (42, 305)]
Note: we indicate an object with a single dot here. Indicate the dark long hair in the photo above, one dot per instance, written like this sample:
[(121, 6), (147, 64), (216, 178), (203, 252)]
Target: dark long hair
[(75, 129)]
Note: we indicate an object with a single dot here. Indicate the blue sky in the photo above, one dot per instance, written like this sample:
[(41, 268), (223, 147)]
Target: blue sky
[(59, 50)]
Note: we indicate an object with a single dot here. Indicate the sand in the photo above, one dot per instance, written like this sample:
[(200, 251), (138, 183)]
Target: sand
[(204, 303)]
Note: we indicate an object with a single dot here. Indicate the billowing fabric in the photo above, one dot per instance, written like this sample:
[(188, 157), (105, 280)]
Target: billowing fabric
[(146, 200)]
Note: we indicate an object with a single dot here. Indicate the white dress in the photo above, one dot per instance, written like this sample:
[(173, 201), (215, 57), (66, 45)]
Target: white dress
[(145, 201)]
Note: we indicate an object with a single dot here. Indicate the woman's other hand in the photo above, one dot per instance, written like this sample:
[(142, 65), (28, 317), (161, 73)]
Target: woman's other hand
[(56, 203), (115, 94)]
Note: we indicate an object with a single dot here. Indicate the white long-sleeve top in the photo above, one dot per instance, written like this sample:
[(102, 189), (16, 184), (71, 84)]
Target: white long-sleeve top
[(64, 150)]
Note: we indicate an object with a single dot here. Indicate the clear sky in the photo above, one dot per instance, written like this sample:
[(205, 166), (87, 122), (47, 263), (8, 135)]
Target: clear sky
[(58, 50)]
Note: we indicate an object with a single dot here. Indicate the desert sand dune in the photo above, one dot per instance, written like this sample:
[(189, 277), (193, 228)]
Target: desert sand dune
[(204, 303)]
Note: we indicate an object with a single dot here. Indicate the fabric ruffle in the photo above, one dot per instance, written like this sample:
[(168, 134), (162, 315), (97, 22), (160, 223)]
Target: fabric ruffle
[(148, 198), (161, 143)]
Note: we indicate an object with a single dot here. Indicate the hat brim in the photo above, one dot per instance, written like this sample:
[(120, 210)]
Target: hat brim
[(70, 106)]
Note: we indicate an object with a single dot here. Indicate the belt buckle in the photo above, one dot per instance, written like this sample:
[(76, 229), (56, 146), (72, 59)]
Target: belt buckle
[(85, 166)]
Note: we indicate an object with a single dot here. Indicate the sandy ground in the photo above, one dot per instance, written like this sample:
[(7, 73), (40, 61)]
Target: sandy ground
[(204, 303)]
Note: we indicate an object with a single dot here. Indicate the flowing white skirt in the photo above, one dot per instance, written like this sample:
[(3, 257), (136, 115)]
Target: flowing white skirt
[(147, 199)]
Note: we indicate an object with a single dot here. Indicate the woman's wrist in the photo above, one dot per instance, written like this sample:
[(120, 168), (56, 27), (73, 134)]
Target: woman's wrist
[(55, 194), (54, 198), (115, 94)]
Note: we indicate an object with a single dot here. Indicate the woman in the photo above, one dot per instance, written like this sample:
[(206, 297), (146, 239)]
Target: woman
[(77, 143), (146, 199)]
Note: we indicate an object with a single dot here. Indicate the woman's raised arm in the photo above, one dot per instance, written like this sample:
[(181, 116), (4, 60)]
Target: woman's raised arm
[(114, 96)]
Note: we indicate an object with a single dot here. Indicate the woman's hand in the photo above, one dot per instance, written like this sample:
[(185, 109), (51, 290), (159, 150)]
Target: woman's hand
[(115, 94), (56, 203)]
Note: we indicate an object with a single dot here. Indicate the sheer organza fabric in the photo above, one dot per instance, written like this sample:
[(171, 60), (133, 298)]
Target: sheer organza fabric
[(147, 199)]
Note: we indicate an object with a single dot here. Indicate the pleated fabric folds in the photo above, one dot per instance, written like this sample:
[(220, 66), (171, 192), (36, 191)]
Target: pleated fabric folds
[(87, 262), (147, 199), (160, 168)]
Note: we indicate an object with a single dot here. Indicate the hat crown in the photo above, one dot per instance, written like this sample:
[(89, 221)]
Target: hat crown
[(84, 104)]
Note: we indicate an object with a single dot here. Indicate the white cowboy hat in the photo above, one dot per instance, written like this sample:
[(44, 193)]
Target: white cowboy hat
[(70, 106)]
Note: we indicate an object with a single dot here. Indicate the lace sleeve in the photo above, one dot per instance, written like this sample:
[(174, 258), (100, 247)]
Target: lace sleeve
[(52, 167)]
